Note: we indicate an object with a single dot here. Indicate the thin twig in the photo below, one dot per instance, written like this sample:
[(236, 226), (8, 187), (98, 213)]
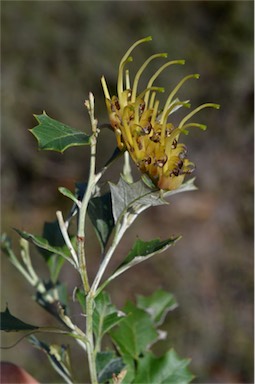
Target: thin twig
[(66, 237)]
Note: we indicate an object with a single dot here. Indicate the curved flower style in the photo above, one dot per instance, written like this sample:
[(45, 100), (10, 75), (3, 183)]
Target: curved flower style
[(143, 129)]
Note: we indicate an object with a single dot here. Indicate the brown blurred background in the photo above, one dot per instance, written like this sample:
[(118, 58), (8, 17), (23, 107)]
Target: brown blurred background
[(53, 54)]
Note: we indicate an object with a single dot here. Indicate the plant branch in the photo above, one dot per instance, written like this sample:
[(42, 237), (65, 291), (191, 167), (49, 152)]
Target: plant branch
[(85, 201), (66, 237), (119, 232), (91, 351)]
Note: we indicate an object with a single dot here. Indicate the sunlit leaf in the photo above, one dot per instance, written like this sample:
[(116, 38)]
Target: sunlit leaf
[(53, 135), (134, 198), (105, 315), (157, 305), (125, 196), (166, 369), (141, 251), (135, 333)]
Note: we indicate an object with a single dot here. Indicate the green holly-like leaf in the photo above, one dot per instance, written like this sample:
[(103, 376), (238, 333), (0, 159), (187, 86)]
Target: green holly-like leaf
[(107, 364), (134, 198), (105, 316), (135, 333), (157, 305), (130, 196), (55, 136), (141, 251), (10, 323), (167, 369)]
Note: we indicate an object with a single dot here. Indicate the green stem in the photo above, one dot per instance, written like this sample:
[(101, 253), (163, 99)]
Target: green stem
[(92, 181), (119, 232), (66, 237), (89, 333), (85, 201), (26, 273)]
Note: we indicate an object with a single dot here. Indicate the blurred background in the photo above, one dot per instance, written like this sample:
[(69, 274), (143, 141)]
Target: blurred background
[(53, 55)]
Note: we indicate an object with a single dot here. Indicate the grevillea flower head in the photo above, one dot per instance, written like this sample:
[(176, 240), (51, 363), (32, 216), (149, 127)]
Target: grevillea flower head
[(144, 129)]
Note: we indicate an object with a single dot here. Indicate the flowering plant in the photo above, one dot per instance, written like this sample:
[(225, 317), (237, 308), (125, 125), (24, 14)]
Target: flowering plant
[(143, 129), (144, 133)]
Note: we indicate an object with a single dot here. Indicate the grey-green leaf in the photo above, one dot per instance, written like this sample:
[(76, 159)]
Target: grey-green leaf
[(135, 333), (157, 305), (143, 250), (167, 369), (53, 135), (105, 315), (125, 195), (136, 197)]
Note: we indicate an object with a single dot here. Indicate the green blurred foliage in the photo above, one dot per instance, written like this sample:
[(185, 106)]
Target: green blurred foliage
[(53, 54)]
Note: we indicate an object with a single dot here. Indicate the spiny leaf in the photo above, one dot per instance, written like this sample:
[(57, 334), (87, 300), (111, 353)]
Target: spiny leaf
[(143, 250), (135, 333), (125, 195), (55, 136), (105, 315), (157, 305), (10, 323), (169, 368), (136, 197)]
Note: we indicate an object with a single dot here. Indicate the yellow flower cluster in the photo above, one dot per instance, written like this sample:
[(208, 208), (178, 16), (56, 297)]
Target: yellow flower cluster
[(143, 129)]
